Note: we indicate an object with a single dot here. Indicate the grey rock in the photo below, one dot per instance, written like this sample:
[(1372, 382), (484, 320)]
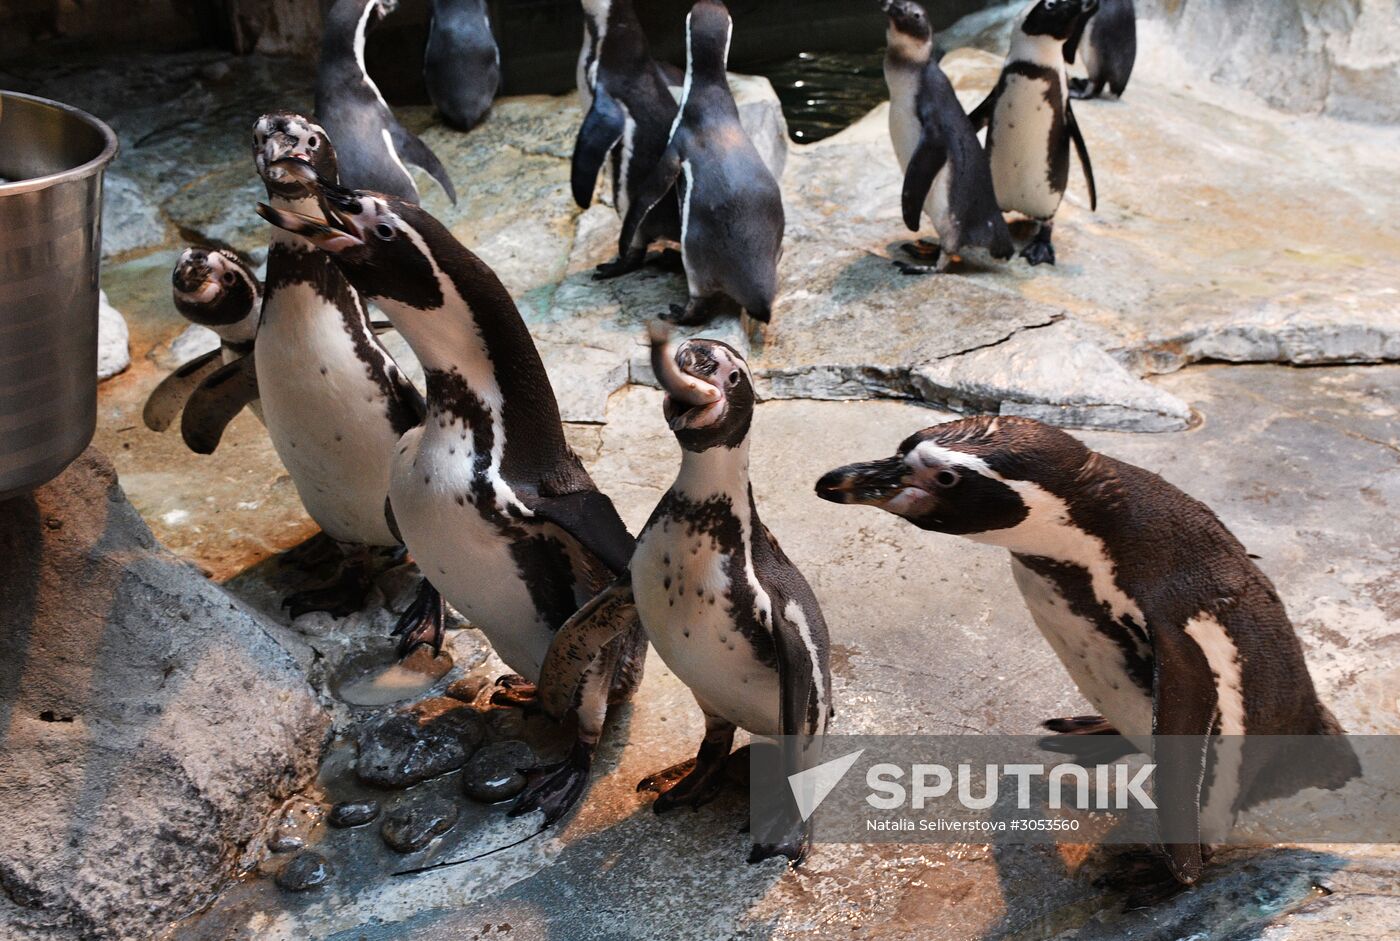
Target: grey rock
[(468, 687), (194, 340), (131, 219), (292, 828), (113, 339), (494, 773), (432, 738), (353, 813), (412, 826), (189, 724), (305, 870), (761, 115)]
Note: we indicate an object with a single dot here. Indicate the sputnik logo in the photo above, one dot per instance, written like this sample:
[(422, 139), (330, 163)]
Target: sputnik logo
[(811, 787)]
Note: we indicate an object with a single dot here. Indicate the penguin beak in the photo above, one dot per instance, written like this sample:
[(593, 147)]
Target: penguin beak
[(691, 400), (318, 232), (873, 483)]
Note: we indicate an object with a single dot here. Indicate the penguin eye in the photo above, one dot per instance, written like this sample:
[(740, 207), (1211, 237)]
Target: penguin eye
[(228, 278), (946, 478), (313, 142), (384, 231), (733, 379)]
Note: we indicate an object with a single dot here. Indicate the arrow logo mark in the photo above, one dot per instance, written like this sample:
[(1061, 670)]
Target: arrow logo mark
[(811, 787)]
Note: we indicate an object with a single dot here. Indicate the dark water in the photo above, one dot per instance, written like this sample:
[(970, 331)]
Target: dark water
[(825, 92)]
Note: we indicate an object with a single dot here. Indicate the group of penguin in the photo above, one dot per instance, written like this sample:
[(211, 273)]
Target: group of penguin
[(1160, 616)]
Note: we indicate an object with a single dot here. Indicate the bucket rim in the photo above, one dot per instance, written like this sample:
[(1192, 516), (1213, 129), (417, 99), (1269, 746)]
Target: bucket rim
[(91, 168)]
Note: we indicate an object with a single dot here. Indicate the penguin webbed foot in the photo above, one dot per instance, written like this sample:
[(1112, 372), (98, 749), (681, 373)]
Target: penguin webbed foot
[(1091, 740), (425, 622), (1082, 88), (923, 250), (690, 784), (906, 268), (621, 265), (1040, 251), (794, 848), (700, 311), (1143, 876), (553, 789), (342, 596), (669, 259), (311, 554), (516, 692)]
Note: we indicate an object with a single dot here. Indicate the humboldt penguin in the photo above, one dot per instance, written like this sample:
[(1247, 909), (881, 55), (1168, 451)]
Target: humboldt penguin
[(462, 63), (1108, 47)]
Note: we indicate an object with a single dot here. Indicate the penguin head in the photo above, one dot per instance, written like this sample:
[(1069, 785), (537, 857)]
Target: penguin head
[(708, 29), (908, 34), (975, 477), (709, 391), (285, 135), (1058, 19), (212, 287), (380, 243)]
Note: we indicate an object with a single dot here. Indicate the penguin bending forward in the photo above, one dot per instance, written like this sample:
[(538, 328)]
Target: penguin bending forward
[(629, 121), (727, 611), (373, 147), (945, 168), (1030, 123), (1109, 48), (492, 502), (334, 401), (216, 289), (1155, 609), (461, 63), (731, 207)]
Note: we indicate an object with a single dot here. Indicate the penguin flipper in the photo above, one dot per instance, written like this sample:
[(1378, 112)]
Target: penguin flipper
[(579, 641), (421, 155), (1082, 149), (980, 115), (381, 327), (219, 398), (657, 185), (590, 517), (601, 130), (1184, 705), (166, 399), (928, 158)]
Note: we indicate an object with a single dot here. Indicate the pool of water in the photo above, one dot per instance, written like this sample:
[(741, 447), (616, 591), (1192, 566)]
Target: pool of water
[(825, 92)]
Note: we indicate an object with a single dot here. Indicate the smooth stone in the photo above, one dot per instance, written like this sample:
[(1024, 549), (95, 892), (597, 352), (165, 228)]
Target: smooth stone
[(113, 339), (353, 813), (194, 340), (493, 774), (467, 688), (304, 871), (413, 826), (432, 738)]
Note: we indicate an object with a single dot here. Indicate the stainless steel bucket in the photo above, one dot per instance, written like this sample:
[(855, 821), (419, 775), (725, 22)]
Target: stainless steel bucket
[(52, 158)]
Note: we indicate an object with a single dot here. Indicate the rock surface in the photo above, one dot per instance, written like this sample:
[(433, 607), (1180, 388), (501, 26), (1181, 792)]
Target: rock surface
[(305, 870), (495, 773), (151, 721), (412, 826), (113, 339), (353, 813), (432, 738)]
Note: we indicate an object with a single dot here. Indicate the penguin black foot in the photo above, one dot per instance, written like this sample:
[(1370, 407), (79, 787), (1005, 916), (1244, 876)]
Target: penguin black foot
[(619, 266), (795, 849), (1091, 740), (1144, 878), (669, 259), (517, 692), (553, 789), (923, 250), (906, 268), (1082, 88), (1040, 251), (700, 311), (341, 596), (423, 623)]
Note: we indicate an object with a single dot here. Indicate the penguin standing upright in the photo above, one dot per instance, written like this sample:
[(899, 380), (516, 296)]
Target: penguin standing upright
[(595, 24), (494, 505), (461, 63), (731, 207), (945, 168), (373, 148), (1158, 613), (216, 289), (728, 612), (1030, 123), (334, 401), (1108, 47), (629, 119)]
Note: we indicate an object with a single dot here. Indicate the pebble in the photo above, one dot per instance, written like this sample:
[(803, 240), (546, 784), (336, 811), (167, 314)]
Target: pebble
[(353, 813), (410, 827), (493, 774), (305, 870), (293, 828), (468, 688), (504, 723), (432, 738)]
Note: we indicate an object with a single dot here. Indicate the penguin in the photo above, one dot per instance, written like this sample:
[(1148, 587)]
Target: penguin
[(334, 401), (946, 174), (595, 24), (731, 207), (492, 502), (1160, 616), (728, 612), (216, 289), (1109, 41), (1030, 123), (629, 119), (462, 63), (373, 146)]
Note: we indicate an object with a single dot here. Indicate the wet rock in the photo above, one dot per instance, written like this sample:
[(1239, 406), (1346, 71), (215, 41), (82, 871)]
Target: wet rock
[(353, 813), (468, 687), (113, 339), (292, 829), (195, 340), (304, 871), (432, 738), (503, 723), (130, 220), (761, 114), (189, 723), (378, 677), (493, 774), (412, 826)]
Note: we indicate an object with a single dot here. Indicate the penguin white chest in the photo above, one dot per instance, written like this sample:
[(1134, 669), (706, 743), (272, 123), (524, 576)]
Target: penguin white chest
[(1094, 661), (466, 556), (327, 419), (682, 583), (1023, 125)]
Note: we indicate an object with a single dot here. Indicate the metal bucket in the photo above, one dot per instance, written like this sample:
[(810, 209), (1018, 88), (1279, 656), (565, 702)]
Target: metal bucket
[(52, 158)]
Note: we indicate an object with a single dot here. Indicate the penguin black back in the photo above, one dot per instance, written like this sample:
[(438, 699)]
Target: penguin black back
[(461, 63), (1108, 47)]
